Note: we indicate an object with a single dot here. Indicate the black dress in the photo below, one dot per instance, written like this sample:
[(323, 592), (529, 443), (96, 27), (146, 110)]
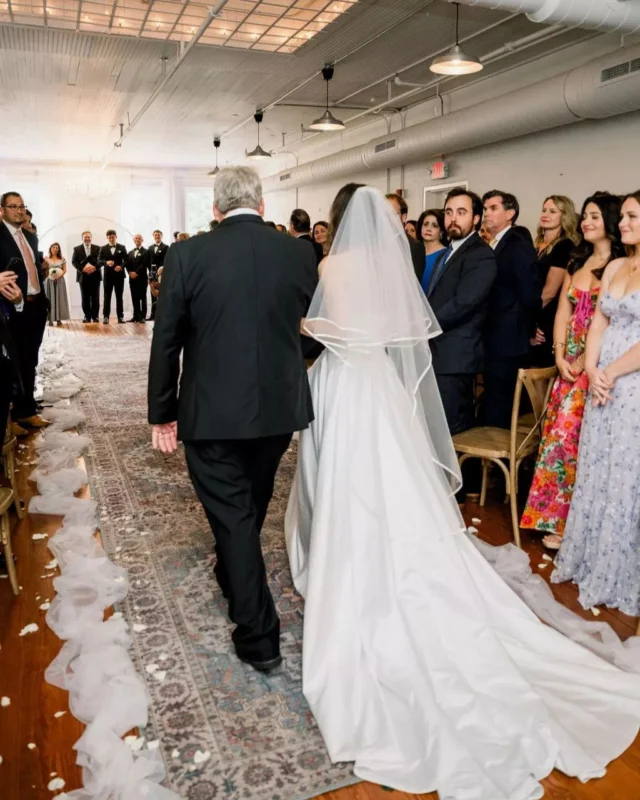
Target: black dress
[(558, 256)]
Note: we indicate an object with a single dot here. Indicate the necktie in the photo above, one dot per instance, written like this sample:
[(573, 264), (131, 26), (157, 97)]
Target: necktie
[(30, 264), (87, 250), (437, 271)]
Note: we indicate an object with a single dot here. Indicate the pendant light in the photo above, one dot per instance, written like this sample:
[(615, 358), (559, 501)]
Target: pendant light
[(258, 152), (327, 122), (456, 61), (216, 169)]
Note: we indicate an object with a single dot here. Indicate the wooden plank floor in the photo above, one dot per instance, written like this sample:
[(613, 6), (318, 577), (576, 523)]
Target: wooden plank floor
[(30, 718)]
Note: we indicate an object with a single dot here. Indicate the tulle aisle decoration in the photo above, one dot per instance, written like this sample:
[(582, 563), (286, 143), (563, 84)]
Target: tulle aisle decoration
[(94, 666)]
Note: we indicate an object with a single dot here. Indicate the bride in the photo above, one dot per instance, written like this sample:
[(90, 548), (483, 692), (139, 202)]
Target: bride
[(420, 664)]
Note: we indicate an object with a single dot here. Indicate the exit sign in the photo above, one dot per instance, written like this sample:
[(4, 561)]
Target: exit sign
[(439, 169)]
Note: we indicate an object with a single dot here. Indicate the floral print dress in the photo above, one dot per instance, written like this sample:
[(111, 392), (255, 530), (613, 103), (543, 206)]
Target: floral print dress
[(552, 488)]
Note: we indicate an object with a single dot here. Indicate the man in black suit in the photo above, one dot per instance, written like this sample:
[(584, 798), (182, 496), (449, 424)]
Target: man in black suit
[(514, 303), (88, 275), (113, 260), (19, 254), (232, 302), (156, 255), (459, 294), (138, 279), (399, 205), (300, 228)]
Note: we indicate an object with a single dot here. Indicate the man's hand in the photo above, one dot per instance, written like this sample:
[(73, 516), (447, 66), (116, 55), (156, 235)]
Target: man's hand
[(89, 269), (110, 263), (165, 437), (12, 293), (7, 278), (539, 338), (133, 275)]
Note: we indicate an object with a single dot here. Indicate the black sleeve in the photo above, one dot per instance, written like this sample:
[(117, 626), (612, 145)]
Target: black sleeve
[(417, 257), (560, 254), (476, 279), (75, 260), (169, 337), (102, 258)]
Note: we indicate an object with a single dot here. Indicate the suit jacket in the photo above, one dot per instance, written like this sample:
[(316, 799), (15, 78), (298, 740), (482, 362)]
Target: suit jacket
[(317, 248), (459, 297), (231, 303), (80, 260), (11, 259), (155, 260), (515, 299), (418, 256), (119, 258), (138, 264)]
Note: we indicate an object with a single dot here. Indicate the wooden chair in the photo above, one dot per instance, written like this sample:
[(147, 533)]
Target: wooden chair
[(6, 499), (499, 445), (9, 447)]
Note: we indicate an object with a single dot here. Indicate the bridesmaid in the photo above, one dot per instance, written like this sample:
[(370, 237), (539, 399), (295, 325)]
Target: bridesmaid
[(556, 237), (601, 545), (411, 228), (431, 233), (552, 487), (55, 286), (319, 232)]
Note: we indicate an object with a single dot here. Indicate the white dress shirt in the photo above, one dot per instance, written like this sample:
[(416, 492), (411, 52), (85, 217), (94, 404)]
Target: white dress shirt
[(31, 290), (456, 243), (498, 236), (237, 211)]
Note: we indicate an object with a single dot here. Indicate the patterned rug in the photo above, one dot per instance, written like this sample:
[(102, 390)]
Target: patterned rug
[(261, 737)]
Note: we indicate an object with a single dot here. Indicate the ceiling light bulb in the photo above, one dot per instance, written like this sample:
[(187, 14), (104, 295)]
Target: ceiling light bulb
[(455, 62), (327, 122)]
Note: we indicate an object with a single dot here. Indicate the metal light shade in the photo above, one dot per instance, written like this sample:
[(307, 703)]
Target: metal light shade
[(258, 153), (327, 122), (214, 171), (455, 62)]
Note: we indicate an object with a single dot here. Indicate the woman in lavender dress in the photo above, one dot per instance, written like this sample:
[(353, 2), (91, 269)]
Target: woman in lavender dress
[(601, 546)]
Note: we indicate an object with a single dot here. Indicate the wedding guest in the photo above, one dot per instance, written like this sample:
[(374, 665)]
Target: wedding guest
[(88, 275), (399, 205), (411, 229), (552, 488), (155, 259), (601, 545), (319, 233), (175, 235), (270, 224), (484, 234), (113, 260), (300, 227), (19, 254), (556, 237), (11, 302), (514, 304), (182, 237), (28, 224), (55, 286), (431, 233), (138, 279), (235, 299), (282, 229)]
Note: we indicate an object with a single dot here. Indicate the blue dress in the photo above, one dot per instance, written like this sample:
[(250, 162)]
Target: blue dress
[(601, 545), (429, 263)]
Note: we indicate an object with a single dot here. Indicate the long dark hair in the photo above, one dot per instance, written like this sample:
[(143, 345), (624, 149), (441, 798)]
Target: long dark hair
[(609, 205), (55, 244), (338, 208), (438, 214)]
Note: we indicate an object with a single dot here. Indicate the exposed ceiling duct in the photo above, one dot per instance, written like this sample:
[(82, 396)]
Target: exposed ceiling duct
[(602, 15), (603, 88)]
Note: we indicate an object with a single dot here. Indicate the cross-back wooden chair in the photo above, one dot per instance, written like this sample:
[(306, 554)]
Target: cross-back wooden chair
[(500, 445)]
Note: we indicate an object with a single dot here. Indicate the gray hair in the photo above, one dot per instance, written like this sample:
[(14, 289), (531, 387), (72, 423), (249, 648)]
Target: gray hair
[(237, 187)]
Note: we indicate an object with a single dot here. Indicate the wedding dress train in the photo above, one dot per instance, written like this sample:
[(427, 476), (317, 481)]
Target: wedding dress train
[(420, 664)]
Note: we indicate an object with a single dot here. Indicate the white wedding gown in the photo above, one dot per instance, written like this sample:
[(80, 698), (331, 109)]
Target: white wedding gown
[(419, 663)]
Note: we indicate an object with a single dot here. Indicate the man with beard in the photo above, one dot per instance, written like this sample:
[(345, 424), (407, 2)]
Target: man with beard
[(459, 295)]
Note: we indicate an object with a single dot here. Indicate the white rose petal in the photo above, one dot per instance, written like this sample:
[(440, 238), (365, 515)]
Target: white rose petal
[(175, 753), (475, 520), (31, 746), (153, 745), (52, 564), (160, 675), (129, 530), (59, 714), (545, 557), (117, 615), (134, 742), (31, 628), (139, 627), (52, 774), (1, 759), (151, 668), (37, 536), (199, 757), (5, 702), (471, 529), (595, 612), (45, 606), (543, 565), (55, 784)]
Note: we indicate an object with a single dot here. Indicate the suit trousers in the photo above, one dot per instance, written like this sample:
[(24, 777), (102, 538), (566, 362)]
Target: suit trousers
[(113, 280), (139, 297), (90, 291), (6, 383), (457, 396), (500, 377), (27, 330), (234, 481)]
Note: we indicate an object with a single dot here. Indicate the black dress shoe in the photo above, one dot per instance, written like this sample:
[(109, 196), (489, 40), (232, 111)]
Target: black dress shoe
[(95, 319), (105, 320), (121, 320), (86, 319), (262, 666), (133, 319)]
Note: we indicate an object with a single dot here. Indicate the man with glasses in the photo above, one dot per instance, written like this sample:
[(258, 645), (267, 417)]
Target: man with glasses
[(19, 255)]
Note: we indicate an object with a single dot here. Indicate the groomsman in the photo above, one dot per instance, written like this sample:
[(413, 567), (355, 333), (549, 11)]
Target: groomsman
[(88, 275), (156, 256), (113, 260), (138, 279)]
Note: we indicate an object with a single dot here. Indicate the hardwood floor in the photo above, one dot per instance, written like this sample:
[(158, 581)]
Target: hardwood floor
[(30, 718)]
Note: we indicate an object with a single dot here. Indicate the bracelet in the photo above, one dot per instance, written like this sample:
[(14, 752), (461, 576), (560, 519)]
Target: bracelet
[(555, 345)]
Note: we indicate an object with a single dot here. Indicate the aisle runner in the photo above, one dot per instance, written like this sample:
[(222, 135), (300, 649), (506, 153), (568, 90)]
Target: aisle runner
[(226, 732)]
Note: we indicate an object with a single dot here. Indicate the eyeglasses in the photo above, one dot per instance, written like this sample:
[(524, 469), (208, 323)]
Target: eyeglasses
[(16, 208)]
